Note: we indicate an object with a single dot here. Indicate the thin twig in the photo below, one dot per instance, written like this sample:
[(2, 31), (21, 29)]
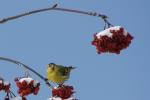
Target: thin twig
[(29, 68), (54, 7), (25, 14)]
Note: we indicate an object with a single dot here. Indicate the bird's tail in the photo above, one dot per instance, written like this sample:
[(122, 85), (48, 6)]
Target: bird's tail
[(70, 67)]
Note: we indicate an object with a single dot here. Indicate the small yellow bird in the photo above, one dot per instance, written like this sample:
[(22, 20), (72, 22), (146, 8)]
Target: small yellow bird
[(58, 73)]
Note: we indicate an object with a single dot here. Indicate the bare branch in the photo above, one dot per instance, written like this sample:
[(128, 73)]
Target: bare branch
[(54, 7), (27, 67)]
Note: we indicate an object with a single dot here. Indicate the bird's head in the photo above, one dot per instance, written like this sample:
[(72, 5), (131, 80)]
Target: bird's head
[(51, 67)]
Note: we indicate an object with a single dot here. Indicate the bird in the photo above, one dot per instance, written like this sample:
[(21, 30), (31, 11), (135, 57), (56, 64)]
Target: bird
[(58, 73)]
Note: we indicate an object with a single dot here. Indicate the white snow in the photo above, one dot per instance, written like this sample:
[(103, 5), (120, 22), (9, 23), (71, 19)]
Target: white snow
[(1, 81), (6, 83), (58, 98), (28, 80), (54, 98), (107, 32), (55, 87), (35, 83), (16, 98)]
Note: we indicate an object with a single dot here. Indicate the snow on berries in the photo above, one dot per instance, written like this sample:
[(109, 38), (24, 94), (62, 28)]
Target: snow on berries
[(112, 40), (27, 86), (63, 92), (18, 98), (4, 86)]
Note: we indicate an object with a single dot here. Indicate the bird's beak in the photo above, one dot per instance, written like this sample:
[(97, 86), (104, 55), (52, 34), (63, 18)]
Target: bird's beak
[(48, 66)]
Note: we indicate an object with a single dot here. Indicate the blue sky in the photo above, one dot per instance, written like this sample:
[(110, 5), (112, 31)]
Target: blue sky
[(64, 38)]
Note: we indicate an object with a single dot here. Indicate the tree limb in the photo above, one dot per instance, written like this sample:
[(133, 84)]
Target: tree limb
[(29, 68), (54, 7)]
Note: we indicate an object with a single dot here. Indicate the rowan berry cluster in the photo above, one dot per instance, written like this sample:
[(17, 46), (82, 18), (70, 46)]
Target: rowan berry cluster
[(27, 86), (4, 86), (113, 40), (63, 92)]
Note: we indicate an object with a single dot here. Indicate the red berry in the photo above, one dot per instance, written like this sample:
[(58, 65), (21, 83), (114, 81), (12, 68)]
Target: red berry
[(54, 92), (23, 93), (28, 90), (36, 90), (31, 82), (24, 83), (18, 84), (20, 90)]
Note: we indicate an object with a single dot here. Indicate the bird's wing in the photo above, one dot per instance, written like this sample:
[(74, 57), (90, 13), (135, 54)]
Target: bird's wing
[(64, 71)]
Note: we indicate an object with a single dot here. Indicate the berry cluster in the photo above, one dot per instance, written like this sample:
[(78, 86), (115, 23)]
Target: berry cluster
[(63, 92), (27, 86), (112, 40), (5, 86)]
